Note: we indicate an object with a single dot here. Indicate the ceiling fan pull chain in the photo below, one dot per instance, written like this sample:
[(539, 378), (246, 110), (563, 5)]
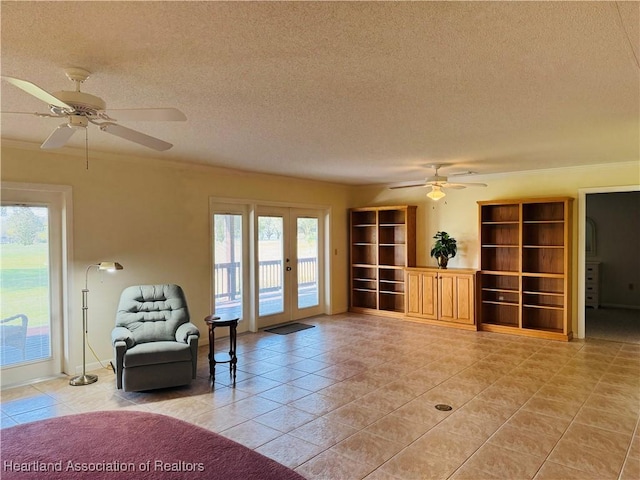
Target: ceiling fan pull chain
[(86, 146)]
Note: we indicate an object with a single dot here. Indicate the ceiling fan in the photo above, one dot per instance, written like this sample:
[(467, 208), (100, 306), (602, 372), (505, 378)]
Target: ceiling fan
[(79, 109), (437, 183)]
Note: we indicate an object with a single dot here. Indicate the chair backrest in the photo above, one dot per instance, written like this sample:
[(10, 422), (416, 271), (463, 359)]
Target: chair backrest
[(152, 312), (13, 331)]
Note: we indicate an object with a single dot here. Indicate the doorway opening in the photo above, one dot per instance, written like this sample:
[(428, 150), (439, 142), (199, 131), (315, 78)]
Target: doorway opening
[(609, 290)]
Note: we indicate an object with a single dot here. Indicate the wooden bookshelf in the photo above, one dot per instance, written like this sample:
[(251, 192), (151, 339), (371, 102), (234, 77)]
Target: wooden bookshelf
[(382, 245), (525, 258)]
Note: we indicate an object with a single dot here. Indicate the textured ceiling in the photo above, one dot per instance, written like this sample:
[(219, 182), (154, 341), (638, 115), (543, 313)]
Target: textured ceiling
[(350, 92)]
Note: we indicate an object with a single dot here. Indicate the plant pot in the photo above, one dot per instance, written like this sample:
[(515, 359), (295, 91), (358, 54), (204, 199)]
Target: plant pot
[(442, 262)]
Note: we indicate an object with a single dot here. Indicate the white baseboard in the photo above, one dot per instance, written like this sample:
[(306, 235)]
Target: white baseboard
[(616, 305), (95, 366)]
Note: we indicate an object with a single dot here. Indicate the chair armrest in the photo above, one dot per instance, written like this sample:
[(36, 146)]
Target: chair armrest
[(21, 316), (122, 334), (185, 330)]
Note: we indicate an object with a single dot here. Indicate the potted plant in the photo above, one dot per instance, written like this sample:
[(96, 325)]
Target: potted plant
[(445, 248)]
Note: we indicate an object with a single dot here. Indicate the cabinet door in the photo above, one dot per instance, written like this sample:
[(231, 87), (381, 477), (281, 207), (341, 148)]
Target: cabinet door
[(429, 294), (447, 297), (414, 306), (456, 298), (465, 299)]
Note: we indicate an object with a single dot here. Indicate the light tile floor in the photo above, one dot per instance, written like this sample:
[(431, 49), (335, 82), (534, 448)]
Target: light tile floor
[(355, 398)]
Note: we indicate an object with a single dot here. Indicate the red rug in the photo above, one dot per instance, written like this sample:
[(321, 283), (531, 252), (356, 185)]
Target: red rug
[(128, 444)]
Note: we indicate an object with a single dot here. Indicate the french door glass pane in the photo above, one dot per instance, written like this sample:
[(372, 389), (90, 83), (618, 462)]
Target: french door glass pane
[(228, 264), (25, 311), (270, 264), (307, 262)]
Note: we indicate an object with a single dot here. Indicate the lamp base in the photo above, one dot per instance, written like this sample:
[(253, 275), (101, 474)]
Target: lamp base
[(83, 380)]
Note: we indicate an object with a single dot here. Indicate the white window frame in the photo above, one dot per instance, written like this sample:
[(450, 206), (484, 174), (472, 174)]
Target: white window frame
[(252, 206), (60, 198)]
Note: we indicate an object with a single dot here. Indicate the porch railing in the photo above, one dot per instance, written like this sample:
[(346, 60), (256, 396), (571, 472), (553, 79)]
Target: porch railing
[(228, 276)]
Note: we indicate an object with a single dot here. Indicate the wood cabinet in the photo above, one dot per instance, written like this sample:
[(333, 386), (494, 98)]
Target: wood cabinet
[(441, 297), (525, 259), (382, 244)]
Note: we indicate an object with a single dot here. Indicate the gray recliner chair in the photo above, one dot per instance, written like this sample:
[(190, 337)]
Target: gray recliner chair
[(155, 344)]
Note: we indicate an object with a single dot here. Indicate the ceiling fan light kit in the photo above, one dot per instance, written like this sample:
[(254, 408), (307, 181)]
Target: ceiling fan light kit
[(81, 109), (436, 193)]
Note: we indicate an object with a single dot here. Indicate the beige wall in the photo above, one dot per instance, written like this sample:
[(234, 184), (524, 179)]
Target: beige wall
[(153, 217), (457, 213)]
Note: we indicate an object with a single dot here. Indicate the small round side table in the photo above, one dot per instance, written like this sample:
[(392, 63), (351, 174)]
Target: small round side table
[(212, 322)]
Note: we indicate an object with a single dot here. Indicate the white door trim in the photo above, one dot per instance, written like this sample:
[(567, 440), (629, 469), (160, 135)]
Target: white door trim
[(61, 195), (252, 206), (582, 215)]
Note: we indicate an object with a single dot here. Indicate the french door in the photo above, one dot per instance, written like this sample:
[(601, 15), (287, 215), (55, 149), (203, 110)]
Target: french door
[(31, 292), (231, 283), (267, 263), (289, 259)]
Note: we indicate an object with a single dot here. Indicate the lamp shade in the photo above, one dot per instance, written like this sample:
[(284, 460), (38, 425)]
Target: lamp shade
[(110, 266), (436, 193)]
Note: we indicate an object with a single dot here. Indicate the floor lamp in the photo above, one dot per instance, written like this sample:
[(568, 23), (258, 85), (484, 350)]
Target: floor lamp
[(85, 379)]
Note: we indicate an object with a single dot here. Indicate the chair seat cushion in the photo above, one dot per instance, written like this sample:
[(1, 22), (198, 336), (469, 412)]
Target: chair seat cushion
[(153, 353)]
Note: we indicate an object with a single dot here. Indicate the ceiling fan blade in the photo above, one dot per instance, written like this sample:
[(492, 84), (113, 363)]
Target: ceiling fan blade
[(39, 93), (463, 185), (19, 113), (407, 185), (59, 137), (35, 114), (147, 114), (135, 136)]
